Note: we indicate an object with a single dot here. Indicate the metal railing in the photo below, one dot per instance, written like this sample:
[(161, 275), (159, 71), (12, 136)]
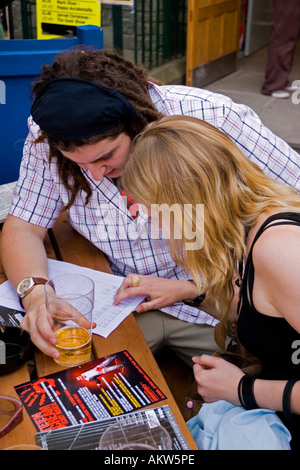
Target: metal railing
[(160, 31), (28, 19)]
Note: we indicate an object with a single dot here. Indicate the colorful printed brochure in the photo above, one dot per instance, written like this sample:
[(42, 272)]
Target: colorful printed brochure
[(111, 386)]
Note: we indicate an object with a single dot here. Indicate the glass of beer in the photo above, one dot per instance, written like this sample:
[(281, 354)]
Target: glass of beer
[(70, 302)]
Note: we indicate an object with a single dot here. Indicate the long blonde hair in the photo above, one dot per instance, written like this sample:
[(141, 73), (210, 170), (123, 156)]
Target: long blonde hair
[(183, 160)]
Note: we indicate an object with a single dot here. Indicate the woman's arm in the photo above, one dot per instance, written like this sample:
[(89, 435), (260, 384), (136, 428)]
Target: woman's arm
[(276, 259), (219, 380)]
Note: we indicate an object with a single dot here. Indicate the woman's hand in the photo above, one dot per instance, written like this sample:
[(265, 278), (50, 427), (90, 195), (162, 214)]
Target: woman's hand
[(217, 379), (161, 292)]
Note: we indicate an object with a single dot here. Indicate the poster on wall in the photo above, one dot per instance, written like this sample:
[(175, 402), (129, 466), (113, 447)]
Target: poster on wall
[(59, 18)]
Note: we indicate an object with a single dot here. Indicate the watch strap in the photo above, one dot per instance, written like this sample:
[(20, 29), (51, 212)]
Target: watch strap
[(36, 281)]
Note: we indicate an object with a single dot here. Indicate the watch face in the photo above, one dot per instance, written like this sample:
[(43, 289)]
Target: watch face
[(24, 285)]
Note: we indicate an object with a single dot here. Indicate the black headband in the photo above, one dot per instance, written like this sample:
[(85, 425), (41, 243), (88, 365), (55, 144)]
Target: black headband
[(73, 108)]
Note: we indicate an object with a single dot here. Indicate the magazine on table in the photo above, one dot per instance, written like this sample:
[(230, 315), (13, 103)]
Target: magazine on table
[(10, 317), (111, 386)]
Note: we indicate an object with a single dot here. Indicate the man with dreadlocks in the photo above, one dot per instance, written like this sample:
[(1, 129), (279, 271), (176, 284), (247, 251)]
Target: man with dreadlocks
[(88, 107)]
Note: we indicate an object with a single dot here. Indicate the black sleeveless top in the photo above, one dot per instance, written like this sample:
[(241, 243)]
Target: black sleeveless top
[(271, 339)]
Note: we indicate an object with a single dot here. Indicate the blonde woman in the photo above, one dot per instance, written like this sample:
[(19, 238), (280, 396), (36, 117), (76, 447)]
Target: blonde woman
[(248, 220)]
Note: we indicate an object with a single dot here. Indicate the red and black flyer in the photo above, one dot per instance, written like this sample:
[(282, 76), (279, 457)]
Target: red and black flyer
[(97, 390)]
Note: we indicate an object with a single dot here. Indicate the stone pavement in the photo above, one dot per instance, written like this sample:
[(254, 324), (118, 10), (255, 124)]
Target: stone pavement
[(282, 116)]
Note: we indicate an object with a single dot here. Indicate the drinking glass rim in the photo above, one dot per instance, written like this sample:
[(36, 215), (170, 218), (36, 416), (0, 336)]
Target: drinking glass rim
[(50, 283)]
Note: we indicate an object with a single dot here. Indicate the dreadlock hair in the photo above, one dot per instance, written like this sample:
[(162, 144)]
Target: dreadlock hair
[(109, 69)]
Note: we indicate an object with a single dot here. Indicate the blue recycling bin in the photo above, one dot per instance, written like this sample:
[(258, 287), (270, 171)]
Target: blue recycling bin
[(20, 65)]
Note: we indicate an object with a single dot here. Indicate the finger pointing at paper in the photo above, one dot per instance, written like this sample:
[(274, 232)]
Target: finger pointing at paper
[(160, 292)]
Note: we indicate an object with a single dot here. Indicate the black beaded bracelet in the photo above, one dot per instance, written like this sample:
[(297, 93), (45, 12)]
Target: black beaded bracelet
[(246, 392), (196, 302), (286, 398)]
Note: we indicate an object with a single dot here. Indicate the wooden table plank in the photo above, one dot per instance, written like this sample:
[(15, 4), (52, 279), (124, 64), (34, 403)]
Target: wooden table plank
[(25, 432), (7, 382), (128, 335), (76, 249)]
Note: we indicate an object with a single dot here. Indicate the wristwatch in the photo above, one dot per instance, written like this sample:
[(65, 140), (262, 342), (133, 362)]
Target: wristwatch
[(26, 286)]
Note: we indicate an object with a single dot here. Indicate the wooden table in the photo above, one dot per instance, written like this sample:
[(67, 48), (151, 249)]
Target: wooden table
[(66, 244)]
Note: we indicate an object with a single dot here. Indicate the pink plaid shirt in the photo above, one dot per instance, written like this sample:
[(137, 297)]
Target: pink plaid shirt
[(128, 242)]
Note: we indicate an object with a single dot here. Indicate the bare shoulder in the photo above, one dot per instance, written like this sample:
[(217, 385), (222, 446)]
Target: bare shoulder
[(276, 260), (278, 246)]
